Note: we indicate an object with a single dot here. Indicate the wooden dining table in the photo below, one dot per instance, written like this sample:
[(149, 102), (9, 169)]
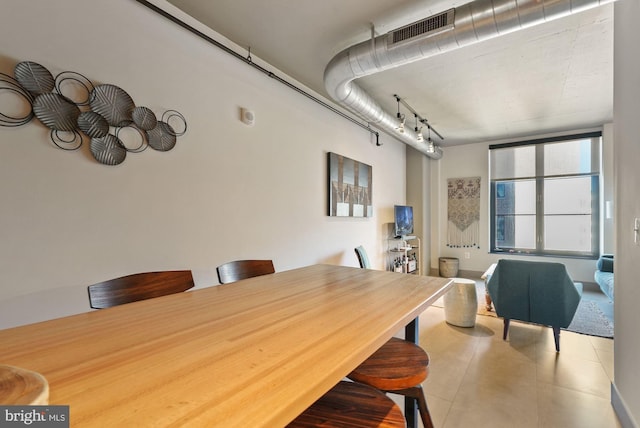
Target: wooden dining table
[(254, 353)]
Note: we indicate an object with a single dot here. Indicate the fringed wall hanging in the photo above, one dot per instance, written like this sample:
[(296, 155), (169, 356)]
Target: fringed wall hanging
[(100, 114), (463, 212)]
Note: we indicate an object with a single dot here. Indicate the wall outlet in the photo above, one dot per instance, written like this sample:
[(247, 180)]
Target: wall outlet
[(467, 255)]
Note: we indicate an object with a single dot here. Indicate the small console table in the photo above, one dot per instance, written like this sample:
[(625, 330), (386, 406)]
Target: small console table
[(404, 255)]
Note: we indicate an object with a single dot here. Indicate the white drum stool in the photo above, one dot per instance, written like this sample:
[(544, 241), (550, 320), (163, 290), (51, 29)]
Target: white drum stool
[(461, 303)]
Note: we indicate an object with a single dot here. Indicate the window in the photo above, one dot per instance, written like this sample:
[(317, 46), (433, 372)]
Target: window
[(545, 196)]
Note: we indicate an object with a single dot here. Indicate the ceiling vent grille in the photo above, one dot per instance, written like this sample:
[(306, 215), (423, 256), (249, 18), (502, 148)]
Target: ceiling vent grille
[(429, 26)]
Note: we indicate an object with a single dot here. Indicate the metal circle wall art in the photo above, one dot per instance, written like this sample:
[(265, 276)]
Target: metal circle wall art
[(34, 77), (112, 103), (11, 88), (162, 137), (76, 81), (172, 116), (72, 107), (108, 150), (66, 140), (92, 124), (135, 149), (56, 112), (144, 118)]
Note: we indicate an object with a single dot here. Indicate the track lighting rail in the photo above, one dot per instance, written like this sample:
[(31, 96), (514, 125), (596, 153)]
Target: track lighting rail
[(420, 119)]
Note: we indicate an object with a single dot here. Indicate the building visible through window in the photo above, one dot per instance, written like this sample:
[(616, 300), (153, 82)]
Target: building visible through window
[(545, 196)]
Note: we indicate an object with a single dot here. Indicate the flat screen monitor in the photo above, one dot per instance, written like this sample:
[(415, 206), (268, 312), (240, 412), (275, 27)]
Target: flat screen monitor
[(403, 220)]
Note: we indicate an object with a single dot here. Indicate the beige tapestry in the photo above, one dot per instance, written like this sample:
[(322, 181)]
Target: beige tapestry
[(463, 212)]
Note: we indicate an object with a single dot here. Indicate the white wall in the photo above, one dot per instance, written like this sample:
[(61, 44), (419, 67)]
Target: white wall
[(225, 192), (626, 390), (461, 161), (608, 235), (418, 196), (472, 161)]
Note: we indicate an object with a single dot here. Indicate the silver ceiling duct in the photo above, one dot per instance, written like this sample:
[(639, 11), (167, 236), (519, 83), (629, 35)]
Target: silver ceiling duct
[(471, 23)]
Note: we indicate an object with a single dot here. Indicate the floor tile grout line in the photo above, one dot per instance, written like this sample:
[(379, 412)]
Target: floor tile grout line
[(579, 390), (466, 373)]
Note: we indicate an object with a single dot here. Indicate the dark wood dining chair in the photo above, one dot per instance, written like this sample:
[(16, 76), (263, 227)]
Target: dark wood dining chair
[(351, 404), (139, 286), (347, 404), (242, 269), (399, 366)]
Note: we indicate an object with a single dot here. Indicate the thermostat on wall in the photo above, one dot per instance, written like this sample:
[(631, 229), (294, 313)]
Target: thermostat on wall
[(247, 116)]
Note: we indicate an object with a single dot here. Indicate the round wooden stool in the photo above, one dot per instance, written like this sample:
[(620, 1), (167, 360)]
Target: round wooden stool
[(400, 367), (22, 387), (351, 405)]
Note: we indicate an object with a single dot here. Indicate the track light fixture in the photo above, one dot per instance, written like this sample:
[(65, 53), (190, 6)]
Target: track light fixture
[(419, 136), (431, 147), (401, 118)]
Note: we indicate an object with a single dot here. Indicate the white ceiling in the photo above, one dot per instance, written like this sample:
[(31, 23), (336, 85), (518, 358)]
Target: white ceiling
[(556, 76)]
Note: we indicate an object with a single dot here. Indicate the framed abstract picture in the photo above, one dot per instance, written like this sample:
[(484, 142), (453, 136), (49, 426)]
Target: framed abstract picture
[(350, 187)]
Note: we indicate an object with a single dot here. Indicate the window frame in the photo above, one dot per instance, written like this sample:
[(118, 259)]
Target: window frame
[(539, 178)]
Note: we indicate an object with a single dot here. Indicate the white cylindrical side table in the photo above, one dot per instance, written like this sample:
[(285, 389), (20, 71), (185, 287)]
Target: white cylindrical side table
[(461, 303)]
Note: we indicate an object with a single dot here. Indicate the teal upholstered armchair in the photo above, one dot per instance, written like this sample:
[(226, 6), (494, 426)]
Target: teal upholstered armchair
[(536, 292)]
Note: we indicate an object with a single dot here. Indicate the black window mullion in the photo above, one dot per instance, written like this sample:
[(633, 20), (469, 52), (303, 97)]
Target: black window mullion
[(595, 214), (492, 213), (540, 198)]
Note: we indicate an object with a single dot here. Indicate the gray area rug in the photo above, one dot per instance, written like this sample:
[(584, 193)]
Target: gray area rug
[(589, 319)]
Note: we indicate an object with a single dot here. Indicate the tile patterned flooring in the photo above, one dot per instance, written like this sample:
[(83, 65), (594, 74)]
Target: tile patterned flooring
[(477, 379)]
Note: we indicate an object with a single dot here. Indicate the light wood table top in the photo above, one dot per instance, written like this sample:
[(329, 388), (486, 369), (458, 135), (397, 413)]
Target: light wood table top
[(254, 353)]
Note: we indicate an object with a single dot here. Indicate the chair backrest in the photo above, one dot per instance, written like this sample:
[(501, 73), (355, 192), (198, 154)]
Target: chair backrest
[(139, 286), (242, 269), (363, 259), (538, 292)]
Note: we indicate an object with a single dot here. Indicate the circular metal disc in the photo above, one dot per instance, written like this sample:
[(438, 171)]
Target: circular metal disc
[(144, 118), (112, 103), (34, 77), (162, 137), (56, 112), (108, 150), (92, 124)]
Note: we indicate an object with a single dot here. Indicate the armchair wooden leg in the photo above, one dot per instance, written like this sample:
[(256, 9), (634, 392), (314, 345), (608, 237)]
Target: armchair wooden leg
[(556, 337), (506, 329), (487, 302)]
